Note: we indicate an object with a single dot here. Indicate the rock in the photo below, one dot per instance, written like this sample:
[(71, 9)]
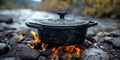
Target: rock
[(109, 39), (100, 34), (89, 41), (4, 26), (94, 54), (115, 54), (13, 41), (116, 42), (8, 58), (6, 19), (24, 52), (105, 46), (91, 33), (115, 33), (43, 58), (3, 49)]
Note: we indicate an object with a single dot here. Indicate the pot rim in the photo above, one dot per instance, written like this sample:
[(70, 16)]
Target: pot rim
[(40, 26)]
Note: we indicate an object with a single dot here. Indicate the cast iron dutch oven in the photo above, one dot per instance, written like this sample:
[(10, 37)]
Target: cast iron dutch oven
[(61, 31)]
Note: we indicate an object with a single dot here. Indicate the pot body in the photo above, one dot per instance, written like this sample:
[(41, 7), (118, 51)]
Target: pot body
[(62, 37)]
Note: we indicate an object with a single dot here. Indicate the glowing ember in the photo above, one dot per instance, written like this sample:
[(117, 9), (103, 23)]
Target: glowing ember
[(36, 37), (54, 52), (31, 46), (44, 46), (20, 36), (70, 49), (77, 51)]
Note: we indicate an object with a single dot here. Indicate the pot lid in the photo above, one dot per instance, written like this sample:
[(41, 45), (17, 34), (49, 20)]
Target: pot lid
[(62, 21)]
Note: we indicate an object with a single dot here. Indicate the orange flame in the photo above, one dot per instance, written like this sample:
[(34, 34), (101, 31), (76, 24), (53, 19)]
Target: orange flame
[(77, 51), (20, 36), (31, 46), (44, 46), (70, 49), (54, 53), (36, 37)]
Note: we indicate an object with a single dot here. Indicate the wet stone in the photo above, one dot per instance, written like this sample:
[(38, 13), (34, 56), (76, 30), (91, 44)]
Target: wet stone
[(4, 26), (115, 53), (6, 19), (109, 39), (115, 33), (8, 58), (116, 42), (91, 33), (23, 52), (13, 41), (89, 41), (94, 54), (3, 49)]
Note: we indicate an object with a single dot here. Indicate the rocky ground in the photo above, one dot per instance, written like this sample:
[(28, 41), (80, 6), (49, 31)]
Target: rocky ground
[(99, 44)]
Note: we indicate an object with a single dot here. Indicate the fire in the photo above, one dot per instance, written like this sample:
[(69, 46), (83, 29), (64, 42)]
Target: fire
[(70, 49), (77, 51), (20, 36), (73, 49), (36, 37), (44, 46), (31, 46)]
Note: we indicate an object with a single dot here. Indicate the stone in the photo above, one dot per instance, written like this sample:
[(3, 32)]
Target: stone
[(89, 41), (4, 26), (13, 41), (24, 52), (3, 49), (109, 39), (115, 33), (91, 33), (116, 42), (6, 19), (94, 54), (8, 58), (115, 54)]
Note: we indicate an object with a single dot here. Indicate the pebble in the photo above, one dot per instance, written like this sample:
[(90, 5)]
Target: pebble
[(94, 54), (3, 49)]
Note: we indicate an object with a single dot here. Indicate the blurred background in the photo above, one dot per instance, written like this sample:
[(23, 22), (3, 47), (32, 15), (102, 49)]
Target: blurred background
[(95, 8), (106, 12)]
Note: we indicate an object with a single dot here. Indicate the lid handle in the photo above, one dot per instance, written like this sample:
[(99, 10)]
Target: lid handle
[(62, 14)]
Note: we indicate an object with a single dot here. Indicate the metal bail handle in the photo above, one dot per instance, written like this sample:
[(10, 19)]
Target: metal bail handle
[(62, 14)]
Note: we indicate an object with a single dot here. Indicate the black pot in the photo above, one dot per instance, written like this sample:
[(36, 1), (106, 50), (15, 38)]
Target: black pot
[(60, 32)]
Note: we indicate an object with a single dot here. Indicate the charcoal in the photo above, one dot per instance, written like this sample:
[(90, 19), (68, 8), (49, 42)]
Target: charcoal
[(46, 52), (8, 58), (3, 49), (116, 42), (24, 52), (94, 54), (67, 56)]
